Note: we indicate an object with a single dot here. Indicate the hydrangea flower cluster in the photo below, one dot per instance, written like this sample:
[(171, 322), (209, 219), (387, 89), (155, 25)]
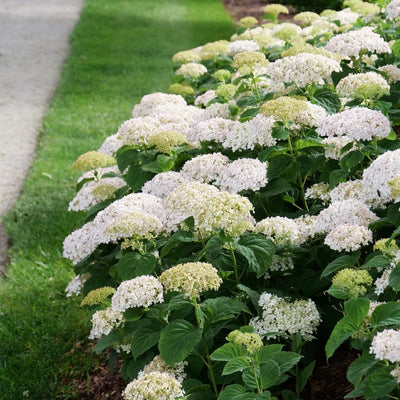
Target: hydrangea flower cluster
[(283, 318), (251, 341), (159, 365), (191, 279), (352, 281), (386, 345), (281, 230), (348, 237), (104, 321)]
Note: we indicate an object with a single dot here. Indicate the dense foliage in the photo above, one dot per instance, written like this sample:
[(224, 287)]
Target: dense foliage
[(249, 219)]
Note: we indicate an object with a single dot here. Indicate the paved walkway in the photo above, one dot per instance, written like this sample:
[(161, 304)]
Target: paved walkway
[(33, 46)]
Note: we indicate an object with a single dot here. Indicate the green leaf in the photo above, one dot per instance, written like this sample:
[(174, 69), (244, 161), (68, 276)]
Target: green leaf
[(145, 335), (337, 176), (359, 367), (341, 332), (277, 186), (249, 114), (228, 352), (231, 392), (137, 177), (338, 293), (351, 160), (175, 239), (306, 143), (379, 383), (393, 214), (134, 264), (394, 278), (277, 164), (305, 375), (253, 295), (267, 352), (280, 132), (285, 359), (225, 308), (376, 261), (338, 264), (269, 374), (166, 162), (126, 156), (235, 365), (177, 340), (357, 309), (257, 250), (327, 99), (386, 315), (246, 101), (107, 341), (133, 314)]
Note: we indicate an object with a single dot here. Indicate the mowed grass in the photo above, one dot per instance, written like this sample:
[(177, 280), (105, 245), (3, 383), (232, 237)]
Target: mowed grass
[(120, 51)]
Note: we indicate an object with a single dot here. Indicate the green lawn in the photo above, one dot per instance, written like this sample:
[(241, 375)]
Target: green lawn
[(120, 51)]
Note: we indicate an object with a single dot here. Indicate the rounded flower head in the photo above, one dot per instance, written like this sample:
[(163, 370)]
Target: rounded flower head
[(224, 211), (275, 9), (386, 345), (251, 341), (352, 43), (97, 296), (92, 160), (367, 85), (191, 279), (347, 237), (303, 69), (142, 291), (226, 90), (250, 59), (243, 174), (154, 386), (165, 141), (281, 230), (393, 9), (287, 109), (306, 17), (247, 22), (104, 321), (186, 56), (221, 75), (162, 184), (358, 123), (348, 211), (205, 168), (352, 281), (283, 318), (392, 72), (159, 365), (151, 103), (387, 246), (308, 48), (213, 49), (193, 70), (182, 90), (287, 31), (240, 46)]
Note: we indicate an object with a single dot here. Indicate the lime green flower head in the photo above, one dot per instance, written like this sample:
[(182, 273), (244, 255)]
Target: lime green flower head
[(183, 90), (186, 56), (247, 22), (251, 341), (352, 281), (226, 91), (271, 11), (250, 59), (93, 160), (97, 296), (165, 141), (212, 49), (387, 246), (306, 17), (222, 75), (362, 7)]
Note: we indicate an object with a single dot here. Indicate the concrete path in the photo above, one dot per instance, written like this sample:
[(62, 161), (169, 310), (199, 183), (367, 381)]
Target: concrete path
[(33, 46)]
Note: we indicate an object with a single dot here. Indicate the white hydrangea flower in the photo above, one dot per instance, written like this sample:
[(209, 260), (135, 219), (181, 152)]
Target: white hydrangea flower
[(75, 286), (348, 237), (243, 174), (162, 184), (353, 42), (194, 70), (110, 145), (377, 176), (137, 131), (151, 102), (306, 225), (280, 263), (204, 168), (214, 129), (240, 46), (104, 321), (142, 291), (283, 318), (366, 84), (351, 190), (154, 386), (318, 191), (348, 211), (347, 16), (205, 98), (224, 211), (159, 365), (184, 201), (386, 345), (396, 371), (303, 69), (382, 282), (247, 135), (393, 9), (358, 123), (216, 110), (392, 71), (334, 146), (94, 192), (280, 230)]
